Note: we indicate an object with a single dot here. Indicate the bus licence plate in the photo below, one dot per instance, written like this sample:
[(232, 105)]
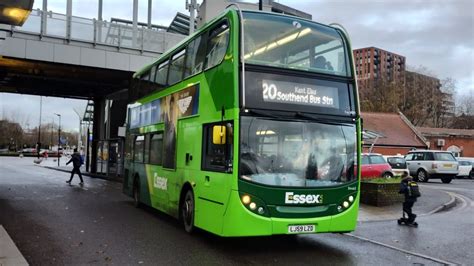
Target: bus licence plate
[(296, 229)]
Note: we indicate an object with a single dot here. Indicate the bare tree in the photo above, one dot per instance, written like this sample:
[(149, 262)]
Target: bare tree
[(424, 99), (466, 104), (12, 135)]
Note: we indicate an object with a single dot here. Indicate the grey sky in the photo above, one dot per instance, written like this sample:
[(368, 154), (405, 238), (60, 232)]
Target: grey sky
[(438, 34)]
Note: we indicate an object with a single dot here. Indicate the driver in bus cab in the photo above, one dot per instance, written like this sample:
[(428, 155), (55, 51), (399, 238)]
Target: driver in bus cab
[(311, 168), (321, 63)]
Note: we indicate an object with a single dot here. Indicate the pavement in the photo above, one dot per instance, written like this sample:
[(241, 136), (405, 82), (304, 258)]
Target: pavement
[(431, 201), (9, 253), (52, 163)]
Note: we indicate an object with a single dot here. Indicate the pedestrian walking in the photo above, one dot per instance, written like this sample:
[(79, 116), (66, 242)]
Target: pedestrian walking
[(76, 163)]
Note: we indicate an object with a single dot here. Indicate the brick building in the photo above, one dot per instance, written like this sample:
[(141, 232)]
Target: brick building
[(458, 141), (373, 63), (377, 68), (390, 134)]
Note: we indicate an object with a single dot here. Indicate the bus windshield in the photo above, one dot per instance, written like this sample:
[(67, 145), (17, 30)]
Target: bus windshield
[(296, 153), (293, 43)]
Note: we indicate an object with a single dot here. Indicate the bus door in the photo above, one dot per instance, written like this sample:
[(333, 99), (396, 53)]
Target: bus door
[(158, 178), (217, 169)]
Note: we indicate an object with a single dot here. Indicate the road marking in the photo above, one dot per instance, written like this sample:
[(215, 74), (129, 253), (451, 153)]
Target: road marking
[(404, 250), (463, 199), (444, 187)]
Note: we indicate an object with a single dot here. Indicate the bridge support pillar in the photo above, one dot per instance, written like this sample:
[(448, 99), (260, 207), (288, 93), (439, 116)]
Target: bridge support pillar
[(96, 128)]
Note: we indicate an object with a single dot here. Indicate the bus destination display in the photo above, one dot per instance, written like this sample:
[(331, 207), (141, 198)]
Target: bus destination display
[(299, 93), (271, 91)]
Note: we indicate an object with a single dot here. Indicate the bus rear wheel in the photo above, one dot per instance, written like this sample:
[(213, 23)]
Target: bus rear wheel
[(187, 211)]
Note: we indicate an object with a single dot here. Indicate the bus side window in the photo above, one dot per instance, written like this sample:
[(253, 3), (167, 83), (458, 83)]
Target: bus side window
[(162, 75), (138, 149), (156, 148), (146, 151), (176, 68), (217, 45), (145, 84), (195, 54), (135, 89)]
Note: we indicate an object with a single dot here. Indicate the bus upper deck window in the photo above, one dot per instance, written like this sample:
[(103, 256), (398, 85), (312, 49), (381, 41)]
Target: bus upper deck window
[(217, 45)]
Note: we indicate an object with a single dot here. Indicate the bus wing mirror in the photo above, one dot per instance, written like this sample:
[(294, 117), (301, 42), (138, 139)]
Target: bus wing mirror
[(218, 135)]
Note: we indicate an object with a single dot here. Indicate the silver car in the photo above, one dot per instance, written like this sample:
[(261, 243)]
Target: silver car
[(426, 164), (398, 164)]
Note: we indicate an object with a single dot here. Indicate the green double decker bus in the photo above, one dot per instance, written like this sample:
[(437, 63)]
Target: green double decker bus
[(249, 127)]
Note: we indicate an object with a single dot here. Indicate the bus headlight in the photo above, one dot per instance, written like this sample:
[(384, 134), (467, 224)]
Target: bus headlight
[(345, 204), (246, 199), (253, 206)]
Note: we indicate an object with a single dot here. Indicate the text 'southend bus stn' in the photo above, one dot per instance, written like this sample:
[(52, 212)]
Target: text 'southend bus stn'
[(249, 127)]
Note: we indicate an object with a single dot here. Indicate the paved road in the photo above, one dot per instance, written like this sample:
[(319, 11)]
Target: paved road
[(448, 235), (54, 223)]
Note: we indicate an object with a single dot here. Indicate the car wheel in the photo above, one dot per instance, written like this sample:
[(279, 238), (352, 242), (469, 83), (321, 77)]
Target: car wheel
[(446, 180), (387, 175), (422, 176), (187, 211)]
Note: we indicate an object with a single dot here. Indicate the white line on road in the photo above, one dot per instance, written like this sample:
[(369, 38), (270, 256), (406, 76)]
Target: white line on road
[(404, 250)]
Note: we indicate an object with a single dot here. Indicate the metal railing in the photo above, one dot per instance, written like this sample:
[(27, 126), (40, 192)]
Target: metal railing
[(95, 31)]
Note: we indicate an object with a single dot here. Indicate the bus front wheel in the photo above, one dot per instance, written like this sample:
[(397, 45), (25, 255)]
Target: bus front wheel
[(187, 211)]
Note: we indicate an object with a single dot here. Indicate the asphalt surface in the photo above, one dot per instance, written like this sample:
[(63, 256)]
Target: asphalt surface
[(54, 223), (448, 234)]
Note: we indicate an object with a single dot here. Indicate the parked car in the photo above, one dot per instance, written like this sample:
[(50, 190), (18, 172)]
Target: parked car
[(465, 169), (374, 165), (426, 164), (398, 164), (29, 150)]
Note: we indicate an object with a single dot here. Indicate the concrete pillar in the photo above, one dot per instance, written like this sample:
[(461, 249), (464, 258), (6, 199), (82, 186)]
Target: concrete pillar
[(192, 10), (68, 19), (44, 16), (135, 23), (99, 12), (96, 128), (149, 14), (99, 21)]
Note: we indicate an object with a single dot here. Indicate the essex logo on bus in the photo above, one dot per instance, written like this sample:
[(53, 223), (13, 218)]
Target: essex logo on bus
[(292, 198)]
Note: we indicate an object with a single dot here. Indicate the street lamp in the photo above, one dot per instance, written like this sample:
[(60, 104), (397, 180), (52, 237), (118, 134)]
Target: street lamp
[(38, 144), (79, 138), (59, 136)]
